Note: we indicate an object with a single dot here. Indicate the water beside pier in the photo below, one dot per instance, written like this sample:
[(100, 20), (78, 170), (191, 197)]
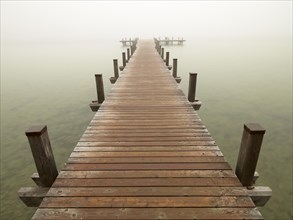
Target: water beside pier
[(240, 80)]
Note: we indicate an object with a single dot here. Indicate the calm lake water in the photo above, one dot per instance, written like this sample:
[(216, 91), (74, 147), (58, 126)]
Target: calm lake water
[(239, 80)]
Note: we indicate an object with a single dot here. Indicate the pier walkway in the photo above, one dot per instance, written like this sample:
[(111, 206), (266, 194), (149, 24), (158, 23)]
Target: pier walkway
[(146, 154)]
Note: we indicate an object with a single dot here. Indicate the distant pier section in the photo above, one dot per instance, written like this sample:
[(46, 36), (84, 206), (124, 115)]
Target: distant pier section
[(171, 41), (164, 41), (128, 41)]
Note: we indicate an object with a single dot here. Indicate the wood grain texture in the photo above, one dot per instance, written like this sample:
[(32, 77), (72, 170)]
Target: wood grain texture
[(146, 154)]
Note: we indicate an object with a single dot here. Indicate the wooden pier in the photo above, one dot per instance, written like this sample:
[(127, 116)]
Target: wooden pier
[(146, 154), (126, 42), (171, 41)]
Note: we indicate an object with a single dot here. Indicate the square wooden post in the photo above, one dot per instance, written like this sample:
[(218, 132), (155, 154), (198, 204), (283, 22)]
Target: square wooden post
[(116, 71), (42, 152), (192, 91), (128, 54), (249, 151), (167, 58), (178, 79), (95, 105)]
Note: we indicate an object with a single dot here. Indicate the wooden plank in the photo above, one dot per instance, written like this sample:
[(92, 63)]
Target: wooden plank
[(148, 154), (146, 160), (92, 137), (145, 174), (146, 191), (163, 166), (32, 196), (144, 128), (147, 202), (157, 143), (149, 148), (228, 181), (147, 213)]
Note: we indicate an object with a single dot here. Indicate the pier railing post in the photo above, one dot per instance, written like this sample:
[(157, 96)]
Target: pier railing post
[(192, 86), (128, 54), (251, 141), (116, 72), (100, 87), (249, 151), (192, 91), (178, 79), (95, 105), (123, 61), (167, 58), (162, 53), (42, 152)]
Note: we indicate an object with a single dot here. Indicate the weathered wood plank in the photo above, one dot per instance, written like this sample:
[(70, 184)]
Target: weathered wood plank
[(228, 181), (148, 213), (93, 137), (148, 154), (146, 191), (146, 160), (157, 143), (146, 174), (163, 166), (149, 148), (147, 202)]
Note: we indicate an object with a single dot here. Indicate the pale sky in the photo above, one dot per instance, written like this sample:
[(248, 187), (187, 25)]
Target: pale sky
[(43, 20)]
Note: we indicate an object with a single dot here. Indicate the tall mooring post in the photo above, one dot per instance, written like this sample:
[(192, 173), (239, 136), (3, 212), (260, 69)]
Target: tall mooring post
[(167, 58), (40, 145), (251, 141), (123, 61), (116, 72), (196, 104), (162, 53), (128, 54), (249, 151), (42, 152), (95, 105), (174, 71)]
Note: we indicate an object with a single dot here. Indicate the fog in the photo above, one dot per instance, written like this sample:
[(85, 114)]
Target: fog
[(92, 20)]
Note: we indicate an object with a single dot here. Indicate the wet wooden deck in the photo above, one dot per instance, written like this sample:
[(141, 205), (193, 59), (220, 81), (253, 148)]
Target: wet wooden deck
[(146, 155)]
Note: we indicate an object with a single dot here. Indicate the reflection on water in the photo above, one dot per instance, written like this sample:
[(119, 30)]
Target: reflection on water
[(240, 80)]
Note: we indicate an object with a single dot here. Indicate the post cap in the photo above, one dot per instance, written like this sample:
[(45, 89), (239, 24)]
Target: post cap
[(192, 74), (254, 128), (98, 75), (36, 130)]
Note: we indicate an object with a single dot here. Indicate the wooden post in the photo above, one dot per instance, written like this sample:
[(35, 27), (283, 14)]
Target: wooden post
[(116, 71), (192, 86), (178, 79), (167, 58), (100, 87), (162, 53), (175, 67), (249, 151), (128, 54), (42, 152), (123, 59), (196, 104), (96, 104)]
